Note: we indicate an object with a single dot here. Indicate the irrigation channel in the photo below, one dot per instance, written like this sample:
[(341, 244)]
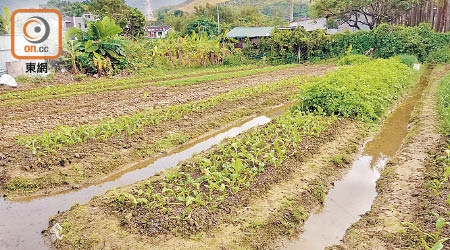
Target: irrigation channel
[(354, 194), (22, 221)]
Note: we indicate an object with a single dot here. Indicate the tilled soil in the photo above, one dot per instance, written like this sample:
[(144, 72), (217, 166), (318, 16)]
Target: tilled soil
[(32, 118), (229, 227), (85, 163), (401, 188)]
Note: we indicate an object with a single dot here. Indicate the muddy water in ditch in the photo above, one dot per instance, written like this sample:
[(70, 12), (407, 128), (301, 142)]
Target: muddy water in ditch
[(353, 195), (21, 222)]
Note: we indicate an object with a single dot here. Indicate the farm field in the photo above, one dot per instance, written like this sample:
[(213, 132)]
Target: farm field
[(230, 161), (259, 189), (66, 162), (225, 124)]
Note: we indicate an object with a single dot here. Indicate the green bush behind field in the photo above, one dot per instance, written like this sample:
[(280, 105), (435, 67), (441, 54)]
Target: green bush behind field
[(440, 55), (362, 91), (388, 41), (385, 41)]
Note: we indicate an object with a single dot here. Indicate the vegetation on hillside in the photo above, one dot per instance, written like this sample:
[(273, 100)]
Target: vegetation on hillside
[(204, 18)]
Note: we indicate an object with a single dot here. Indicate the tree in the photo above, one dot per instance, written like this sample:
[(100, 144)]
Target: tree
[(135, 23), (361, 12), (202, 25), (130, 19), (67, 8)]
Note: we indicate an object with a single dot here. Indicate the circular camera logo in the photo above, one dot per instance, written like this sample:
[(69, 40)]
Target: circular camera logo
[(36, 29)]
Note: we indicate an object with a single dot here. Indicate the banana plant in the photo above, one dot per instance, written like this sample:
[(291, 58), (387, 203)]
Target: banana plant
[(5, 21), (97, 50)]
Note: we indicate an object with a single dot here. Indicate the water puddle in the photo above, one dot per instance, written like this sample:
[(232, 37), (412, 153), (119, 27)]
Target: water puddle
[(23, 220), (353, 195)]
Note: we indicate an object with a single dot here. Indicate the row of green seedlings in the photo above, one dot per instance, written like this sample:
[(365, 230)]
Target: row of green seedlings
[(62, 136), (104, 83), (226, 171), (55, 91), (436, 186)]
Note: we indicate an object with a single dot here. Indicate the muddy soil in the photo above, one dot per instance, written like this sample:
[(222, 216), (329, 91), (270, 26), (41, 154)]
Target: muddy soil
[(67, 78), (401, 186), (32, 118), (249, 223), (82, 164)]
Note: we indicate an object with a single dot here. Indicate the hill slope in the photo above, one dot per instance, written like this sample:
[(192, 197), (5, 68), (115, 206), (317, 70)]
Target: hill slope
[(267, 7)]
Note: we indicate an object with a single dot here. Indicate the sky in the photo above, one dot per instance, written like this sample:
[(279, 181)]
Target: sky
[(29, 4)]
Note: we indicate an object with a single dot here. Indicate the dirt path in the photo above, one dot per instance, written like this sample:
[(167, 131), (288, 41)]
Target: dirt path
[(400, 185), (33, 118)]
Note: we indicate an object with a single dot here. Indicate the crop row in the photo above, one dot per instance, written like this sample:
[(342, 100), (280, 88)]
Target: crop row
[(362, 91), (443, 96), (60, 91), (439, 179), (223, 173), (49, 142)]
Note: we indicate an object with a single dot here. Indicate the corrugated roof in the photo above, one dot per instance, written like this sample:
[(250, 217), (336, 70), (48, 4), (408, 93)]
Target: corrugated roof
[(244, 32)]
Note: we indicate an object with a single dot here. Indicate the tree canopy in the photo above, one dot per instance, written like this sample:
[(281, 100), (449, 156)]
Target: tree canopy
[(131, 20)]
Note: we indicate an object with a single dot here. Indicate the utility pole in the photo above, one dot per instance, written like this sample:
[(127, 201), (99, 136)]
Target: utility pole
[(218, 21), (291, 11)]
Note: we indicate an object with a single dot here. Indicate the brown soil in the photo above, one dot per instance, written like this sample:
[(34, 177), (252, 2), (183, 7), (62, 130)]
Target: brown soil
[(85, 163), (402, 187), (32, 118), (251, 221)]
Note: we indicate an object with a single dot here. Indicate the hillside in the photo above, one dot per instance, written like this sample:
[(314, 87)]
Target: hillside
[(267, 7), (189, 6)]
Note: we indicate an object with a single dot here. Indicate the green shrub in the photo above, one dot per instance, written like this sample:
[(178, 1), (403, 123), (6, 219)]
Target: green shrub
[(362, 91), (286, 46), (235, 59), (443, 96), (440, 55), (408, 60), (353, 60), (139, 54), (387, 41)]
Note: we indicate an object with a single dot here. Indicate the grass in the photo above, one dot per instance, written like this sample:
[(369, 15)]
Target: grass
[(340, 160), (61, 91)]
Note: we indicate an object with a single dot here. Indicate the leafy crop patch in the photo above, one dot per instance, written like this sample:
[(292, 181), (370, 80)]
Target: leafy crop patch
[(362, 91), (186, 195)]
